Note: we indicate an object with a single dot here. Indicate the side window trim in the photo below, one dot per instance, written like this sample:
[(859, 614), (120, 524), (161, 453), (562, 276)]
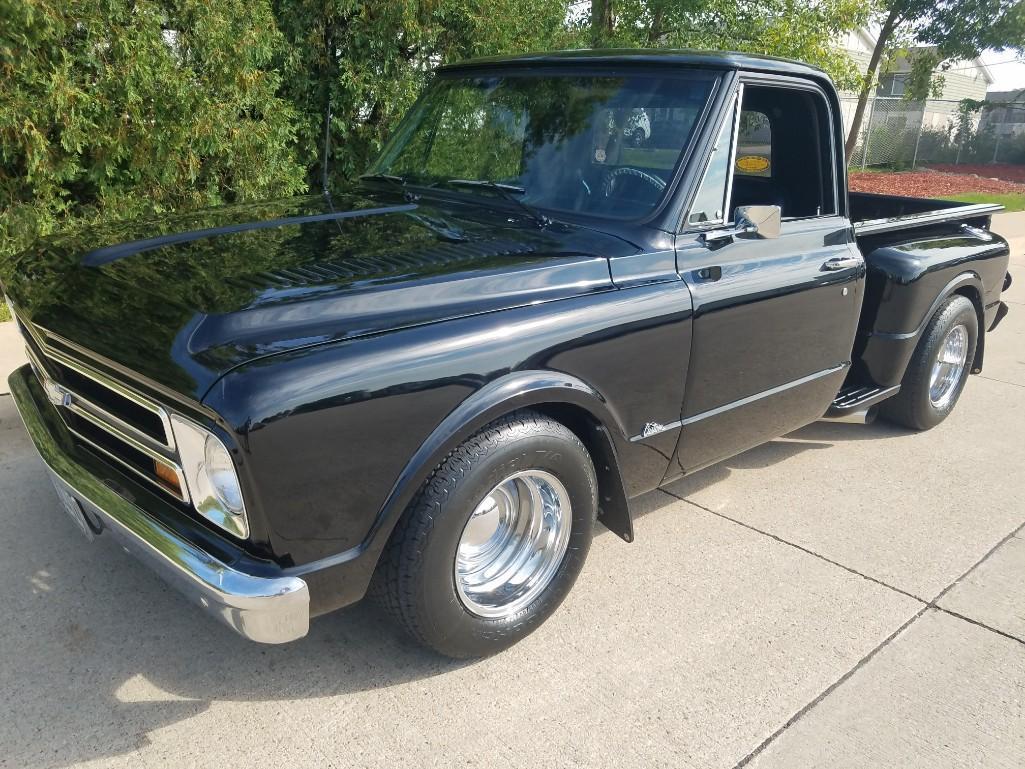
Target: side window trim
[(727, 211), (836, 179), (734, 110), (836, 169)]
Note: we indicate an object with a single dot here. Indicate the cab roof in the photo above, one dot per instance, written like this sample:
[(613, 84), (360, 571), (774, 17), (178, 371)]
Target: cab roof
[(656, 56)]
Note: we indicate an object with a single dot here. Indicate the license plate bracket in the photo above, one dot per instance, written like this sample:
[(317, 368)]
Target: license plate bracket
[(74, 510)]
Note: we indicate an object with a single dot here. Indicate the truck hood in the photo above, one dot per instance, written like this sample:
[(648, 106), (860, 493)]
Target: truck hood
[(181, 301)]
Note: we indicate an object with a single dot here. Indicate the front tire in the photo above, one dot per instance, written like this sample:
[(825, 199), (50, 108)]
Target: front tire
[(938, 369), (495, 539)]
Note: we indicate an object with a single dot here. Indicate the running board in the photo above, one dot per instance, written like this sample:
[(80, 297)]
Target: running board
[(857, 405)]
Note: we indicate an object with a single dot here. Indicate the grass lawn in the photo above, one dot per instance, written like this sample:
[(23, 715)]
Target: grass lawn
[(1011, 201), (5, 314)]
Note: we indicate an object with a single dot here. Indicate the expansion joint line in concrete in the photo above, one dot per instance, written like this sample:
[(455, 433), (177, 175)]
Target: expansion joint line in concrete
[(926, 605)]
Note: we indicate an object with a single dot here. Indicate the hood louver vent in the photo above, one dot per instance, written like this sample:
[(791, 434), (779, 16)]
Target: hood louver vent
[(354, 268)]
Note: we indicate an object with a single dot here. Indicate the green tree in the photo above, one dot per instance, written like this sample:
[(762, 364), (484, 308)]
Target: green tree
[(370, 60), (117, 109), (121, 108), (948, 29), (792, 29)]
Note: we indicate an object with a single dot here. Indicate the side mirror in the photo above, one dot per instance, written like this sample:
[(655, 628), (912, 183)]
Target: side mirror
[(761, 221)]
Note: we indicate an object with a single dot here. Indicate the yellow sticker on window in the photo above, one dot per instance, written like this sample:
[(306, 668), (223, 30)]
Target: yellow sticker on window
[(752, 163)]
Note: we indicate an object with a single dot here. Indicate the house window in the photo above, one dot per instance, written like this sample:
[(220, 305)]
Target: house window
[(892, 85)]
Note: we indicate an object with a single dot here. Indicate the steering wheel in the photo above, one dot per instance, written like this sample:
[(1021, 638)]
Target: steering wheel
[(609, 183)]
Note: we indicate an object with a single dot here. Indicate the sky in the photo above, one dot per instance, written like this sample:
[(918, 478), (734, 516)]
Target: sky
[(1009, 72)]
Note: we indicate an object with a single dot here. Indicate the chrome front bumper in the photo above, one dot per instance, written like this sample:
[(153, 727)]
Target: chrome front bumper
[(267, 609)]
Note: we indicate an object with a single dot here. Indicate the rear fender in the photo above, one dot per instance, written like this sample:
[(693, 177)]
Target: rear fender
[(908, 280), (886, 354)]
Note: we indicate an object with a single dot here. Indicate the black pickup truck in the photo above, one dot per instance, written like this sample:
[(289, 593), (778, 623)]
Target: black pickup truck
[(569, 278)]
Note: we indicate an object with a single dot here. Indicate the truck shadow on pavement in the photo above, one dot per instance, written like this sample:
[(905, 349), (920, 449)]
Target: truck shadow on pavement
[(101, 653), (97, 652), (817, 436), (108, 654)]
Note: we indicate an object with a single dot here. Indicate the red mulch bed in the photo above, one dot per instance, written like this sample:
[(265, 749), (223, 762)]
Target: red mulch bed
[(1003, 171), (928, 184)]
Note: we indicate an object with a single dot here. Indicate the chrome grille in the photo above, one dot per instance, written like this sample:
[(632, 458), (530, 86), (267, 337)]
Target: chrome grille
[(103, 414)]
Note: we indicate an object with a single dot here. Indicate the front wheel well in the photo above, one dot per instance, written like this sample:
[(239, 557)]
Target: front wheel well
[(613, 505)]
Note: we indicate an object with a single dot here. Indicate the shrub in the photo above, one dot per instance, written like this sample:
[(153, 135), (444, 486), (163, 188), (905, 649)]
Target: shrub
[(118, 108)]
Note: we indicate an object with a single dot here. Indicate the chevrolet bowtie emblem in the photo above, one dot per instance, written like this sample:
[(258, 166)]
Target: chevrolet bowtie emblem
[(57, 395)]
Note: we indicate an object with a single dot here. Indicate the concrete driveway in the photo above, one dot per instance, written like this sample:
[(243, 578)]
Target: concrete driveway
[(845, 596)]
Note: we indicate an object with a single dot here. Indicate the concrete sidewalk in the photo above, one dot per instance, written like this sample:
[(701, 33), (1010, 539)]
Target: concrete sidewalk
[(12, 352), (845, 596)]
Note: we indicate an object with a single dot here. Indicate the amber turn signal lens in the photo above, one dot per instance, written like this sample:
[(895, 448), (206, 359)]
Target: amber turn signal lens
[(167, 476)]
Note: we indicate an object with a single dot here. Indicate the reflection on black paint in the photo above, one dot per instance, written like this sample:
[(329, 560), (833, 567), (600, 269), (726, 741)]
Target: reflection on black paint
[(184, 314)]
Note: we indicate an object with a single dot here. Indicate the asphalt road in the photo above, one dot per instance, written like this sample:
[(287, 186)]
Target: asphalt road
[(846, 596)]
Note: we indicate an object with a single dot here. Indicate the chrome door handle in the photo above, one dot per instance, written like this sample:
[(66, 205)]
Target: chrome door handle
[(842, 263)]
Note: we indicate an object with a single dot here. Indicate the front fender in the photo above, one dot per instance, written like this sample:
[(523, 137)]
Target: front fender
[(517, 390), (336, 440)]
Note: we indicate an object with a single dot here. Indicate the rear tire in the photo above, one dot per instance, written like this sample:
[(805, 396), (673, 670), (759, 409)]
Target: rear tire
[(528, 485), (938, 369)]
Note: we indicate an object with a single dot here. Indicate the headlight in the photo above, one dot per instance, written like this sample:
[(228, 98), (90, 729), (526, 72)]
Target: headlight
[(211, 477), (220, 473)]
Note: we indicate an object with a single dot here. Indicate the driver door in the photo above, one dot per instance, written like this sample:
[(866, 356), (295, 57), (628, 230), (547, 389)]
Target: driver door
[(774, 317)]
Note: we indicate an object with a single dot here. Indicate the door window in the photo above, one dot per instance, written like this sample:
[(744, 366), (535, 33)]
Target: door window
[(783, 157), (784, 153)]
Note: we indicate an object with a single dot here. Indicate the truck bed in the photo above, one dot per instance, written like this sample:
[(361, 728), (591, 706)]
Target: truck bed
[(872, 213), (918, 251)]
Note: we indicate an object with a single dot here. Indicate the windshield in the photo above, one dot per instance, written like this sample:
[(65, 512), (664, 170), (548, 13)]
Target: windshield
[(592, 144)]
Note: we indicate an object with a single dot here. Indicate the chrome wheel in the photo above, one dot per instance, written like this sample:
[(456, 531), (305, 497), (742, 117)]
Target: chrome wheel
[(948, 367), (513, 544)]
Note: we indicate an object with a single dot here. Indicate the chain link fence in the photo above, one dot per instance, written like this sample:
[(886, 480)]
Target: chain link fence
[(900, 134)]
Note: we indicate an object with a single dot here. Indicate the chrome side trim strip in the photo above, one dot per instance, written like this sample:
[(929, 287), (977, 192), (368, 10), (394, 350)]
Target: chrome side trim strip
[(764, 394), (653, 428)]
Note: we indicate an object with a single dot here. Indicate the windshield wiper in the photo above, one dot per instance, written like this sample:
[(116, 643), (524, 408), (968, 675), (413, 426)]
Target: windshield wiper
[(507, 191), (397, 181)]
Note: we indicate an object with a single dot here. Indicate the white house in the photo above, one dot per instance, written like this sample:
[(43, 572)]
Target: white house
[(1005, 112), (960, 80)]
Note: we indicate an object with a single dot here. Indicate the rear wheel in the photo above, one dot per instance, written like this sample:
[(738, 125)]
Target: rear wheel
[(495, 539), (939, 367)]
